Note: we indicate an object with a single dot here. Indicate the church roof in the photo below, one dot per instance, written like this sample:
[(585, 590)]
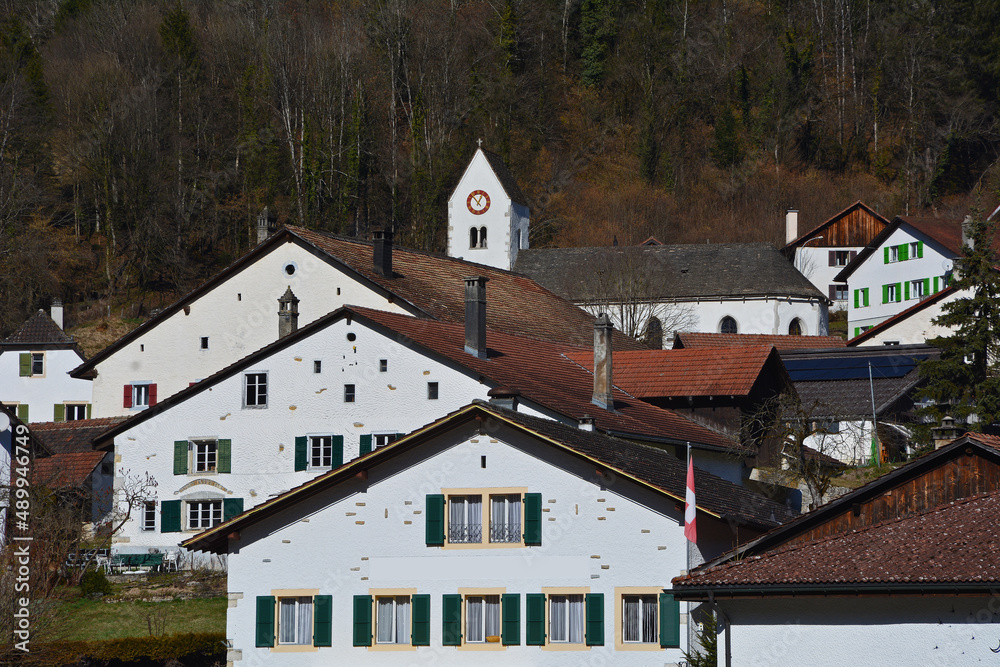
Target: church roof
[(506, 178)]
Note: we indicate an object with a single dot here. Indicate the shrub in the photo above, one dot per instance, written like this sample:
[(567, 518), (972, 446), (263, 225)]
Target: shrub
[(94, 583)]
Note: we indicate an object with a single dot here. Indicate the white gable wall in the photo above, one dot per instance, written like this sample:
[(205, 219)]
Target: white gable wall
[(814, 263), (239, 316), (597, 535), (42, 392), (917, 328)]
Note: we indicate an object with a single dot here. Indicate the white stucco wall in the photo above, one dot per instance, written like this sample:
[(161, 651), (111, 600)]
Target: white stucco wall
[(833, 631), (814, 263), (366, 536), (43, 392), (239, 316), (917, 328), (873, 273), (851, 444), (506, 222)]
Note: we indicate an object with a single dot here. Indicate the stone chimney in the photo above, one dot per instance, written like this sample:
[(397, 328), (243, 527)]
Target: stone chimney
[(791, 225), (383, 252), (475, 316), (967, 239), (264, 227), (288, 313), (504, 397), (57, 312), (602, 362), (586, 423)]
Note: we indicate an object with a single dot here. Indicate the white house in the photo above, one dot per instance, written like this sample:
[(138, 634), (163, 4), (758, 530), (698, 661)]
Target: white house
[(913, 326), (897, 572), (823, 251), (489, 536), (34, 364), (318, 397), (488, 214), (654, 291), (237, 311), (909, 260)]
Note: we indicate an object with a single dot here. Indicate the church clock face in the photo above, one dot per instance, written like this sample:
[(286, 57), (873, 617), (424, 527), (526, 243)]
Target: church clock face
[(478, 202)]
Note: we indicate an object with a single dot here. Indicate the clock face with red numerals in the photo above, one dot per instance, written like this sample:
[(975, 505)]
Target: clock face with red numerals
[(478, 202)]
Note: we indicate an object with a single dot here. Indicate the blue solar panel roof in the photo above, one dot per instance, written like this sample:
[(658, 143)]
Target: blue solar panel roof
[(852, 368)]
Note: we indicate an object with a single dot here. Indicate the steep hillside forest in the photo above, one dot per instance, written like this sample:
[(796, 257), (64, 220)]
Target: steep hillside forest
[(140, 139)]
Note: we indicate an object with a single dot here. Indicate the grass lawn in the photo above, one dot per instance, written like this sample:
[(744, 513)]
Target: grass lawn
[(94, 620)]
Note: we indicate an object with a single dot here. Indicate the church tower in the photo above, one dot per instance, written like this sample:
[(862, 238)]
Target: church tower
[(487, 214)]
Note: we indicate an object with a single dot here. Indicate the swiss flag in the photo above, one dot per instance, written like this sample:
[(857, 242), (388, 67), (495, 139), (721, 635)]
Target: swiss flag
[(690, 529)]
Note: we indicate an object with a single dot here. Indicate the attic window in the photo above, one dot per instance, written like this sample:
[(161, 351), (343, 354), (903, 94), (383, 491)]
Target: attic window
[(204, 342), (317, 366), (290, 268), (383, 365)]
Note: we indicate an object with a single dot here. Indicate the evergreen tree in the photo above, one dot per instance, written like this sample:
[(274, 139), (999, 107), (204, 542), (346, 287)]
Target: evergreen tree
[(964, 380)]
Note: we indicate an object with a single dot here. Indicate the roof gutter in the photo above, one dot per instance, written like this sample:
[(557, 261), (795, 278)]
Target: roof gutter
[(705, 593)]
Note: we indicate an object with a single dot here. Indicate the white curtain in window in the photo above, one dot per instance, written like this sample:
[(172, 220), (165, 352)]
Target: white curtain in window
[(514, 511), (474, 620), (576, 619), (456, 512), (286, 621), (402, 620), (630, 619), (475, 511), (498, 510), (492, 615), (384, 621), (304, 635), (557, 618), (649, 624)]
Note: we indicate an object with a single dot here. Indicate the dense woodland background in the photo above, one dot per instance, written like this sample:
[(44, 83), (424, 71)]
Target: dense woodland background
[(140, 139)]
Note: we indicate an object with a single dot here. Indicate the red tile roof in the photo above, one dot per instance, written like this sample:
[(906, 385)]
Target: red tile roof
[(686, 372), (61, 470), (691, 339), (39, 329), (556, 376), (72, 436), (952, 543)]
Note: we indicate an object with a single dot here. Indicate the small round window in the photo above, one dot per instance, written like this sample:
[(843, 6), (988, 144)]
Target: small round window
[(795, 328), (291, 268), (352, 336), (728, 325)]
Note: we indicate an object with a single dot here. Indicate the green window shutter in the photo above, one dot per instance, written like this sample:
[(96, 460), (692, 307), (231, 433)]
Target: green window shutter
[(899, 292), (904, 252), (88, 410), (510, 634), (338, 451), (434, 518), (595, 619), (225, 462), (231, 507), (857, 298), (59, 412), (927, 286), (301, 455), (857, 331), (420, 634), (886, 249), (362, 620), (936, 284), (366, 444), (323, 620), (22, 412), (670, 621), (920, 249), (906, 291), (170, 516), (533, 519), (451, 620), (180, 457), (885, 294), (265, 621), (24, 364), (534, 619), (864, 293)]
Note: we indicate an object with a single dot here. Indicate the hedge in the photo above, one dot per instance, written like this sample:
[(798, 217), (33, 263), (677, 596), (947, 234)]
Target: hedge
[(192, 649)]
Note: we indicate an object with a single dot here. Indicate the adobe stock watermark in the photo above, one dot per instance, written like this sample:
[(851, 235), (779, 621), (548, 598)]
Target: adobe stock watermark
[(22, 538)]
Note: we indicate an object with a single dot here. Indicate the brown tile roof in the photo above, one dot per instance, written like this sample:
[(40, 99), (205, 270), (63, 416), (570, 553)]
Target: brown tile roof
[(506, 178), (39, 329), (69, 469), (698, 372), (692, 339), (556, 376), (647, 465), (952, 543), (72, 436)]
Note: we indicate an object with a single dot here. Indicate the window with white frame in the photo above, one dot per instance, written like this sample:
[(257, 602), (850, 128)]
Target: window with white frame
[(205, 455), (38, 363), (149, 515), (320, 451), (465, 519), (892, 293), (392, 619), (914, 250), (295, 620), (204, 514), (383, 439), (639, 620), (140, 395), (566, 619), (482, 618), (917, 289), (505, 518), (841, 257), (255, 390), (894, 253), (76, 411)]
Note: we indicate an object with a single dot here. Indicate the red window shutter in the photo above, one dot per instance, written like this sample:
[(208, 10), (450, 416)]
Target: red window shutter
[(128, 396), (833, 292), (833, 258), (152, 395), (854, 253)]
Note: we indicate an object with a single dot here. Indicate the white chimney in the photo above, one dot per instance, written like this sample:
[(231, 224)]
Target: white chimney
[(603, 387), (791, 225), (57, 312)]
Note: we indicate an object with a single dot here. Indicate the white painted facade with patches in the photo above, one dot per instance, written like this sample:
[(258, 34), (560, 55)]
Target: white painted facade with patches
[(225, 324), (485, 224), (45, 392), (602, 541), (916, 328)]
